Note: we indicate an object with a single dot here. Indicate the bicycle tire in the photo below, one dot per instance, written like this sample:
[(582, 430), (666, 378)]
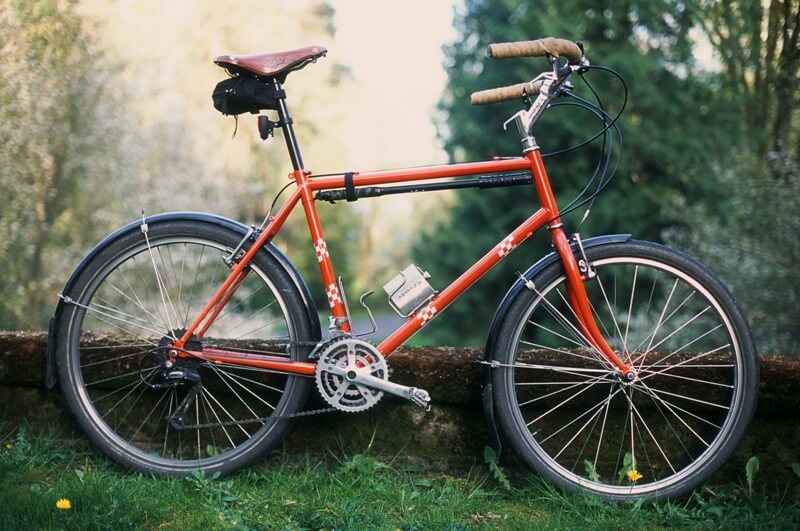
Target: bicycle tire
[(568, 416), (125, 305)]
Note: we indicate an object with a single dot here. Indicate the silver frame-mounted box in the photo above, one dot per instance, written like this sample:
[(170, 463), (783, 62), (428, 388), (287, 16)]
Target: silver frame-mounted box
[(409, 290)]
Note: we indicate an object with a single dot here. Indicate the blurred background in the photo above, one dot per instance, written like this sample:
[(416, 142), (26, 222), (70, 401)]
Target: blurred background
[(105, 112)]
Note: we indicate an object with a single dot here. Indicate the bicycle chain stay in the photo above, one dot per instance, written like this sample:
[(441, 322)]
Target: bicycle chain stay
[(176, 423)]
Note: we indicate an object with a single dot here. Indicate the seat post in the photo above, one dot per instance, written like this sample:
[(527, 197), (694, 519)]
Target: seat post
[(285, 121)]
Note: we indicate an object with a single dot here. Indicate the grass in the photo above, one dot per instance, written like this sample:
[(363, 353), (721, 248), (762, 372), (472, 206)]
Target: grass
[(355, 491)]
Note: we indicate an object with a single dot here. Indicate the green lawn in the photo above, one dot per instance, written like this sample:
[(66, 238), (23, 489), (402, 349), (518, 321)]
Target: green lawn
[(337, 492)]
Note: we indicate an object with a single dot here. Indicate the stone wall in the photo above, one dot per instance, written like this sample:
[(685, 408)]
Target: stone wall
[(451, 435)]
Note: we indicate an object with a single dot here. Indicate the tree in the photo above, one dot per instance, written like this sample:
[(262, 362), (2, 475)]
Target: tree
[(244, 171), (758, 44), (90, 139), (58, 141), (750, 234), (673, 128)]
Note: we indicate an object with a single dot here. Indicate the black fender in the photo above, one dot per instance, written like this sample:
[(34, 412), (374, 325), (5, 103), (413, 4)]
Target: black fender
[(500, 314), (50, 376)]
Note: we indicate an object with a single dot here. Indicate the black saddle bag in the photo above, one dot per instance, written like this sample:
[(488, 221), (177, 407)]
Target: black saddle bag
[(242, 94)]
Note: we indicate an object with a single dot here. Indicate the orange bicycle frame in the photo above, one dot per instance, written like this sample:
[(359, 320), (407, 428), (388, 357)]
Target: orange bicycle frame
[(547, 214), (304, 193)]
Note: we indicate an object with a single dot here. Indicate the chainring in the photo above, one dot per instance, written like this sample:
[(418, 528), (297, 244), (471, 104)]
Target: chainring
[(349, 353)]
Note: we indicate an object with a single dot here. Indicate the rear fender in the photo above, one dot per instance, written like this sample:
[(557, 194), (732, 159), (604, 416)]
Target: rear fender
[(50, 377)]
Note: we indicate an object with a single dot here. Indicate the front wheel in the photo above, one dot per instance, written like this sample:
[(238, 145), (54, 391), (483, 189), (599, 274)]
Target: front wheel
[(569, 415), (130, 301)]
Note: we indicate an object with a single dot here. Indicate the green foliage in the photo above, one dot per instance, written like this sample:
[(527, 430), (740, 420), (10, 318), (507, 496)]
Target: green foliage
[(628, 464), (751, 469), (749, 229), (751, 239), (490, 458), (591, 470), (699, 144), (90, 136), (355, 492), (757, 43)]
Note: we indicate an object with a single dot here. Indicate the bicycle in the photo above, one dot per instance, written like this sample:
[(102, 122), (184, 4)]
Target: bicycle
[(187, 341)]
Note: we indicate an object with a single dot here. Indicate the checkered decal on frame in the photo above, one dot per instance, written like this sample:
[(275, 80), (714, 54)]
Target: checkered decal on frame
[(506, 246), (321, 248), (426, 314), (333, 295)]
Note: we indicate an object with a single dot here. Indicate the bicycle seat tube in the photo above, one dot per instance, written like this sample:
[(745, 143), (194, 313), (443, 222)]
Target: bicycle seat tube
[(339, 316)]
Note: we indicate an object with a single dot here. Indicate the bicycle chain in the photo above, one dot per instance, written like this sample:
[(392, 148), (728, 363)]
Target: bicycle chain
[(225, 423)]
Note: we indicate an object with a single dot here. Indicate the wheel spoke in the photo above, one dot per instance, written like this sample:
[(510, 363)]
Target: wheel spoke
[(650, 433), (565, 322), (596, 408), (565, 352), (566, 400), (104, 316), (684, 397), (161, 288), (653, 335), (630, 312), (209, 396), (612, 312), (115, 359), (553, 393), (222, 376)]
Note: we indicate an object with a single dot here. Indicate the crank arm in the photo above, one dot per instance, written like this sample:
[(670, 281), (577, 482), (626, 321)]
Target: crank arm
[(420, 397)]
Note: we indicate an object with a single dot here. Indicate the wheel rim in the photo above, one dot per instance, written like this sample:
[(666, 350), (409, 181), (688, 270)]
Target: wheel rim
[(128, 312), (594, 430)]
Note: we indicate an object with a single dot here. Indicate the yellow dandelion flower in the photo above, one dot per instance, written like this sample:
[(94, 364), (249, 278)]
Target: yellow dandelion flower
[(9, 446), (634, 475), (64, 504)]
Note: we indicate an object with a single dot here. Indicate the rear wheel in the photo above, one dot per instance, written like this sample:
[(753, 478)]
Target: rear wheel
[(569, 415), (130, 301)]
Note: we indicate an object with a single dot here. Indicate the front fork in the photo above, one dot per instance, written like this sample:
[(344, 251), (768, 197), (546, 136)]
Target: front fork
[(576, 291), (579, 300)]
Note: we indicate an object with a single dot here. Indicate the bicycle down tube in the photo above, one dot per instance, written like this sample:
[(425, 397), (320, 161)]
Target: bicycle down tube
[(304, 193)]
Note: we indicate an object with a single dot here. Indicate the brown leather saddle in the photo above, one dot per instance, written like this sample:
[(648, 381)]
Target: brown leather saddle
[(277, 64)]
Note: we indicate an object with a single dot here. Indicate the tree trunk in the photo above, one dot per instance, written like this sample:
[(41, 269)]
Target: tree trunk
[(787, 84)]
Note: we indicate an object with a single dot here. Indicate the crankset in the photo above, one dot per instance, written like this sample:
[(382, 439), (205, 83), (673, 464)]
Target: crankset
[(352, 376)]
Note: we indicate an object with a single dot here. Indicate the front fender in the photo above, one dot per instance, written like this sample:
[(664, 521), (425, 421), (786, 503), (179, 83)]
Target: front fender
[(500, 314), (280, 258)]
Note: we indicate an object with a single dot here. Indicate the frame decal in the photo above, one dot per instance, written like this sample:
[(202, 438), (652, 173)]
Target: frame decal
[(506, 246), (321, 249), (334, 297), (426, 314)]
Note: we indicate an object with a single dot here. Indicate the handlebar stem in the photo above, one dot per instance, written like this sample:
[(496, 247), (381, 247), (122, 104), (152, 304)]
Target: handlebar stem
[(525, 119)]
